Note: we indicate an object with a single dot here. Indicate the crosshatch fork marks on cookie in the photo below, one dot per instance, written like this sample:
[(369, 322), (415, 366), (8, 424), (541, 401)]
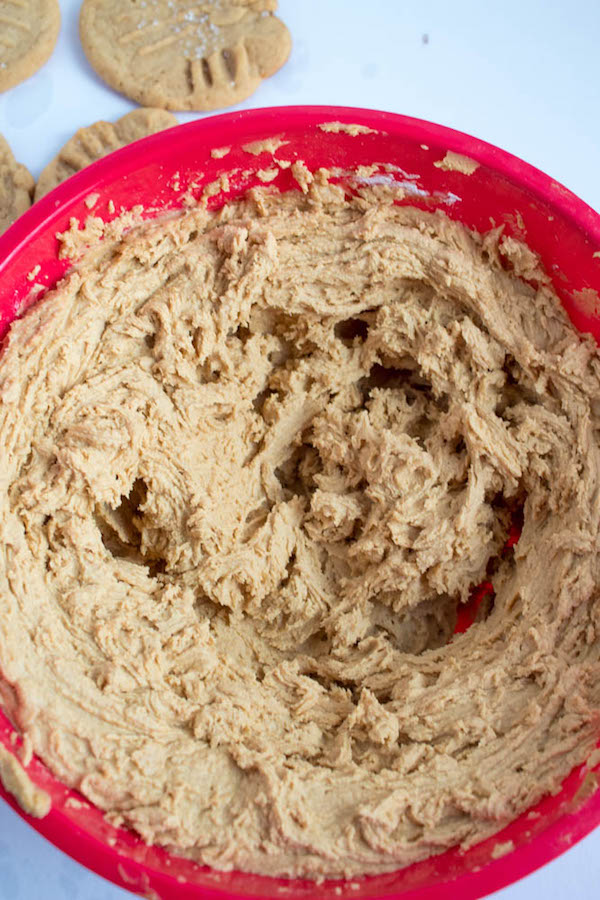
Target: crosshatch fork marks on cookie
[(185, 55), (95, 141)]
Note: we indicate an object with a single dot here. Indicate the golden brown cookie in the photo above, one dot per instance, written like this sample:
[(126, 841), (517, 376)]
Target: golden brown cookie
[(185, 54), (16, 187), (91, 143), (28, 33)]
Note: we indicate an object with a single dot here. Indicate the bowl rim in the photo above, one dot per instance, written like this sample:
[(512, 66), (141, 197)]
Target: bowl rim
[(275, 119), (90, 851)]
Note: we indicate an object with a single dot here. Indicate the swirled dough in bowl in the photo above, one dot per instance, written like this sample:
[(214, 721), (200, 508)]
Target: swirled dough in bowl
[(252, 464)]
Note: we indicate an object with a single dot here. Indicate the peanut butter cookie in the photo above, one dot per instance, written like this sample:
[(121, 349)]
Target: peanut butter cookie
[(184, 55), (92, 143), (16, 187), (28, 33)]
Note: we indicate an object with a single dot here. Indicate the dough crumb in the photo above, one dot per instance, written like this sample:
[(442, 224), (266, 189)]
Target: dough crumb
[(32, 799), (26, 750), (269, 145), (587, 301), (220, 185), (456, 162), (502, 848), (525, 262), (346, 128), (588, 786), (267, 175), (365, 171), (77, 239), (74, 803), (220, 152), (304, 177)]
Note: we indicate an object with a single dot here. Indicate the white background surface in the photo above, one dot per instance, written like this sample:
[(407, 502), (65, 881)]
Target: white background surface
[(522, 74)]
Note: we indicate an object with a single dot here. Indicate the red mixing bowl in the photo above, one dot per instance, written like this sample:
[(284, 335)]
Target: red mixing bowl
[(156, 172)]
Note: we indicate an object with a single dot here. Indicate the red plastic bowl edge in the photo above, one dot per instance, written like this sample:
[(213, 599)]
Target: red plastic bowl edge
[(569, 829)]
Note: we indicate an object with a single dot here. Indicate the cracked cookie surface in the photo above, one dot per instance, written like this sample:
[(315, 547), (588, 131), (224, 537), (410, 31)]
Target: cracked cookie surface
[(187, 55)]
